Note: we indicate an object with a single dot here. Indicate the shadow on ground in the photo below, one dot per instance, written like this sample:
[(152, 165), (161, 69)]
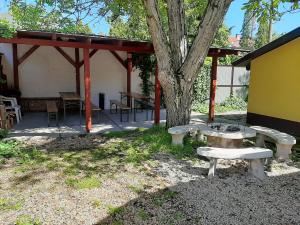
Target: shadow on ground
[(234, 200)]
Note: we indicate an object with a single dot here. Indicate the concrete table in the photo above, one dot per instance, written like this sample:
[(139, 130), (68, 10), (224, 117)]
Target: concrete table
[(224, 135)]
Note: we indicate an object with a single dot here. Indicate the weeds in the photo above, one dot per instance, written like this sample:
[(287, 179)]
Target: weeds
[(114, 210), (83, 183), (27, 220), (9, 205)]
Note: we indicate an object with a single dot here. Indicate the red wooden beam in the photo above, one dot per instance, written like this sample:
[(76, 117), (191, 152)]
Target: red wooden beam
[(157, 98), (77, 70), (15, 66), (129, 70), (113, 47), (119, 59), (93, 52), (213, 88), (87, 88), (64, 54), (28, 53)]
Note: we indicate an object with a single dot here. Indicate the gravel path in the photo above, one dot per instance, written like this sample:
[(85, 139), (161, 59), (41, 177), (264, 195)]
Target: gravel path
[(164, 190)]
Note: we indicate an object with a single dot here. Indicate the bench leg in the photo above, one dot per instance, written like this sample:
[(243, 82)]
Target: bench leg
[(177, 139), (283, 151), (212, 167), (257, 169), (199, 136), (56, 115), (111, 110), (134, 114), (48, 119), (260, 140), (121, 115)]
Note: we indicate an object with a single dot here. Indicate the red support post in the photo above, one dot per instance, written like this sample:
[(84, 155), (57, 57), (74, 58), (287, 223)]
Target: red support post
[(87, 88), (213, 88), (15, 66), (157, 98), (129, 70), (77, 69)]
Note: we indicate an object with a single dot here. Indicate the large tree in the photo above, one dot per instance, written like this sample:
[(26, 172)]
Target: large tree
[(178, 62), (46, 16), (270, 11), (248, 27)]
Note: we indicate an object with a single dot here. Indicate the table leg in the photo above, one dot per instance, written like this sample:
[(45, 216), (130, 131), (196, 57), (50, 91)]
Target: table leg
[(80, 112), (134, 112), (64, 103)]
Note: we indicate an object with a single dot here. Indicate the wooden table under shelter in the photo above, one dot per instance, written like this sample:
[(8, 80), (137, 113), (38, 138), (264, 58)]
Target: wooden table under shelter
[(134, 98), (70, 99)]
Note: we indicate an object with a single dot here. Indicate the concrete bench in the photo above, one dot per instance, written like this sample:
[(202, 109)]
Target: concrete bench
[(284, 142), (123, 108), (179, 132), (52, 111), (254, 154)]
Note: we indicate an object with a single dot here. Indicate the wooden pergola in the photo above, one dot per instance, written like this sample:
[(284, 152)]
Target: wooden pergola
[(90, 44)]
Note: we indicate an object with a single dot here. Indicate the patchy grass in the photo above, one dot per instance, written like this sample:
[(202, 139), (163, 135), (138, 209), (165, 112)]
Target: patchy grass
[(9, 204), (144, 142), (96, 203), (114, 210), (136, 189), (27, 220), (120, 148), (167, 195), (142, 214), (83, 183)]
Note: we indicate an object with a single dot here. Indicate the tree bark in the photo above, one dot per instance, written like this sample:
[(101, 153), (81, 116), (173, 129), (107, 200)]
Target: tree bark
[(178, 67)]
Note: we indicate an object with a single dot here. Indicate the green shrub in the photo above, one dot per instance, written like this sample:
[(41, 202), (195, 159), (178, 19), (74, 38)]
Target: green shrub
[(3, 133), (230, 104)]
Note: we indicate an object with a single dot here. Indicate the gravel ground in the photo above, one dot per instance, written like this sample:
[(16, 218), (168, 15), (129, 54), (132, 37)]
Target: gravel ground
[(164, 190)]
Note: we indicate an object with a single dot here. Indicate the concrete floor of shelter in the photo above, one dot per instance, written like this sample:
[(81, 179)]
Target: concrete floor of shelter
[(36, 124)]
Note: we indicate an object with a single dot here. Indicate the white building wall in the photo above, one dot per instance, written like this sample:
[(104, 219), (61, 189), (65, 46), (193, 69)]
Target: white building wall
[(46, 72)]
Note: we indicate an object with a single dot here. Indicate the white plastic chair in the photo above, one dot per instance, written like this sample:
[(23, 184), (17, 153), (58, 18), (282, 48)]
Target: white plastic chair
[(12, 106)]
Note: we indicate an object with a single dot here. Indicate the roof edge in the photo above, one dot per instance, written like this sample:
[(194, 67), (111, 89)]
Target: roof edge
[(244, 61)]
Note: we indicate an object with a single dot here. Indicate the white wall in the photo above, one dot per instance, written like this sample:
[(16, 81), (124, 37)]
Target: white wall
[(7, 61), (46, 72)]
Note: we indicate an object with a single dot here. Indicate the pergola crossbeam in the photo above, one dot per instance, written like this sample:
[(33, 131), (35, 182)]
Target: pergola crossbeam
[(116, 55), (27, 54), (65, 55)]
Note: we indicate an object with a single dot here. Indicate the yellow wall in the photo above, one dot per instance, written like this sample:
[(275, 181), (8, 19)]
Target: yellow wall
[(275, 83)]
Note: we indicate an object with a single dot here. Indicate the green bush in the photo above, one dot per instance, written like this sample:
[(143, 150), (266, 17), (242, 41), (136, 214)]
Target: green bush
[(230, 104)]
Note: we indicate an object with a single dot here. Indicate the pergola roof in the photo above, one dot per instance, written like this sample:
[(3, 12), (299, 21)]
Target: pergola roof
[(92, 41), (79, 41), (245, 61)]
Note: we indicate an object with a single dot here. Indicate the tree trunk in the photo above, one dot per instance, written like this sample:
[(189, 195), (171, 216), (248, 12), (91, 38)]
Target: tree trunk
[(178, 66), (178, 101)]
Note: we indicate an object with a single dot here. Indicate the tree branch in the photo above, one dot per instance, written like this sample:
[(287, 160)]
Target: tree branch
[(177, 32), (159, 39), (213, 16)]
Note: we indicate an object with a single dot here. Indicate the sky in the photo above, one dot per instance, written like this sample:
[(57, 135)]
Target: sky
[(234, 19)]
